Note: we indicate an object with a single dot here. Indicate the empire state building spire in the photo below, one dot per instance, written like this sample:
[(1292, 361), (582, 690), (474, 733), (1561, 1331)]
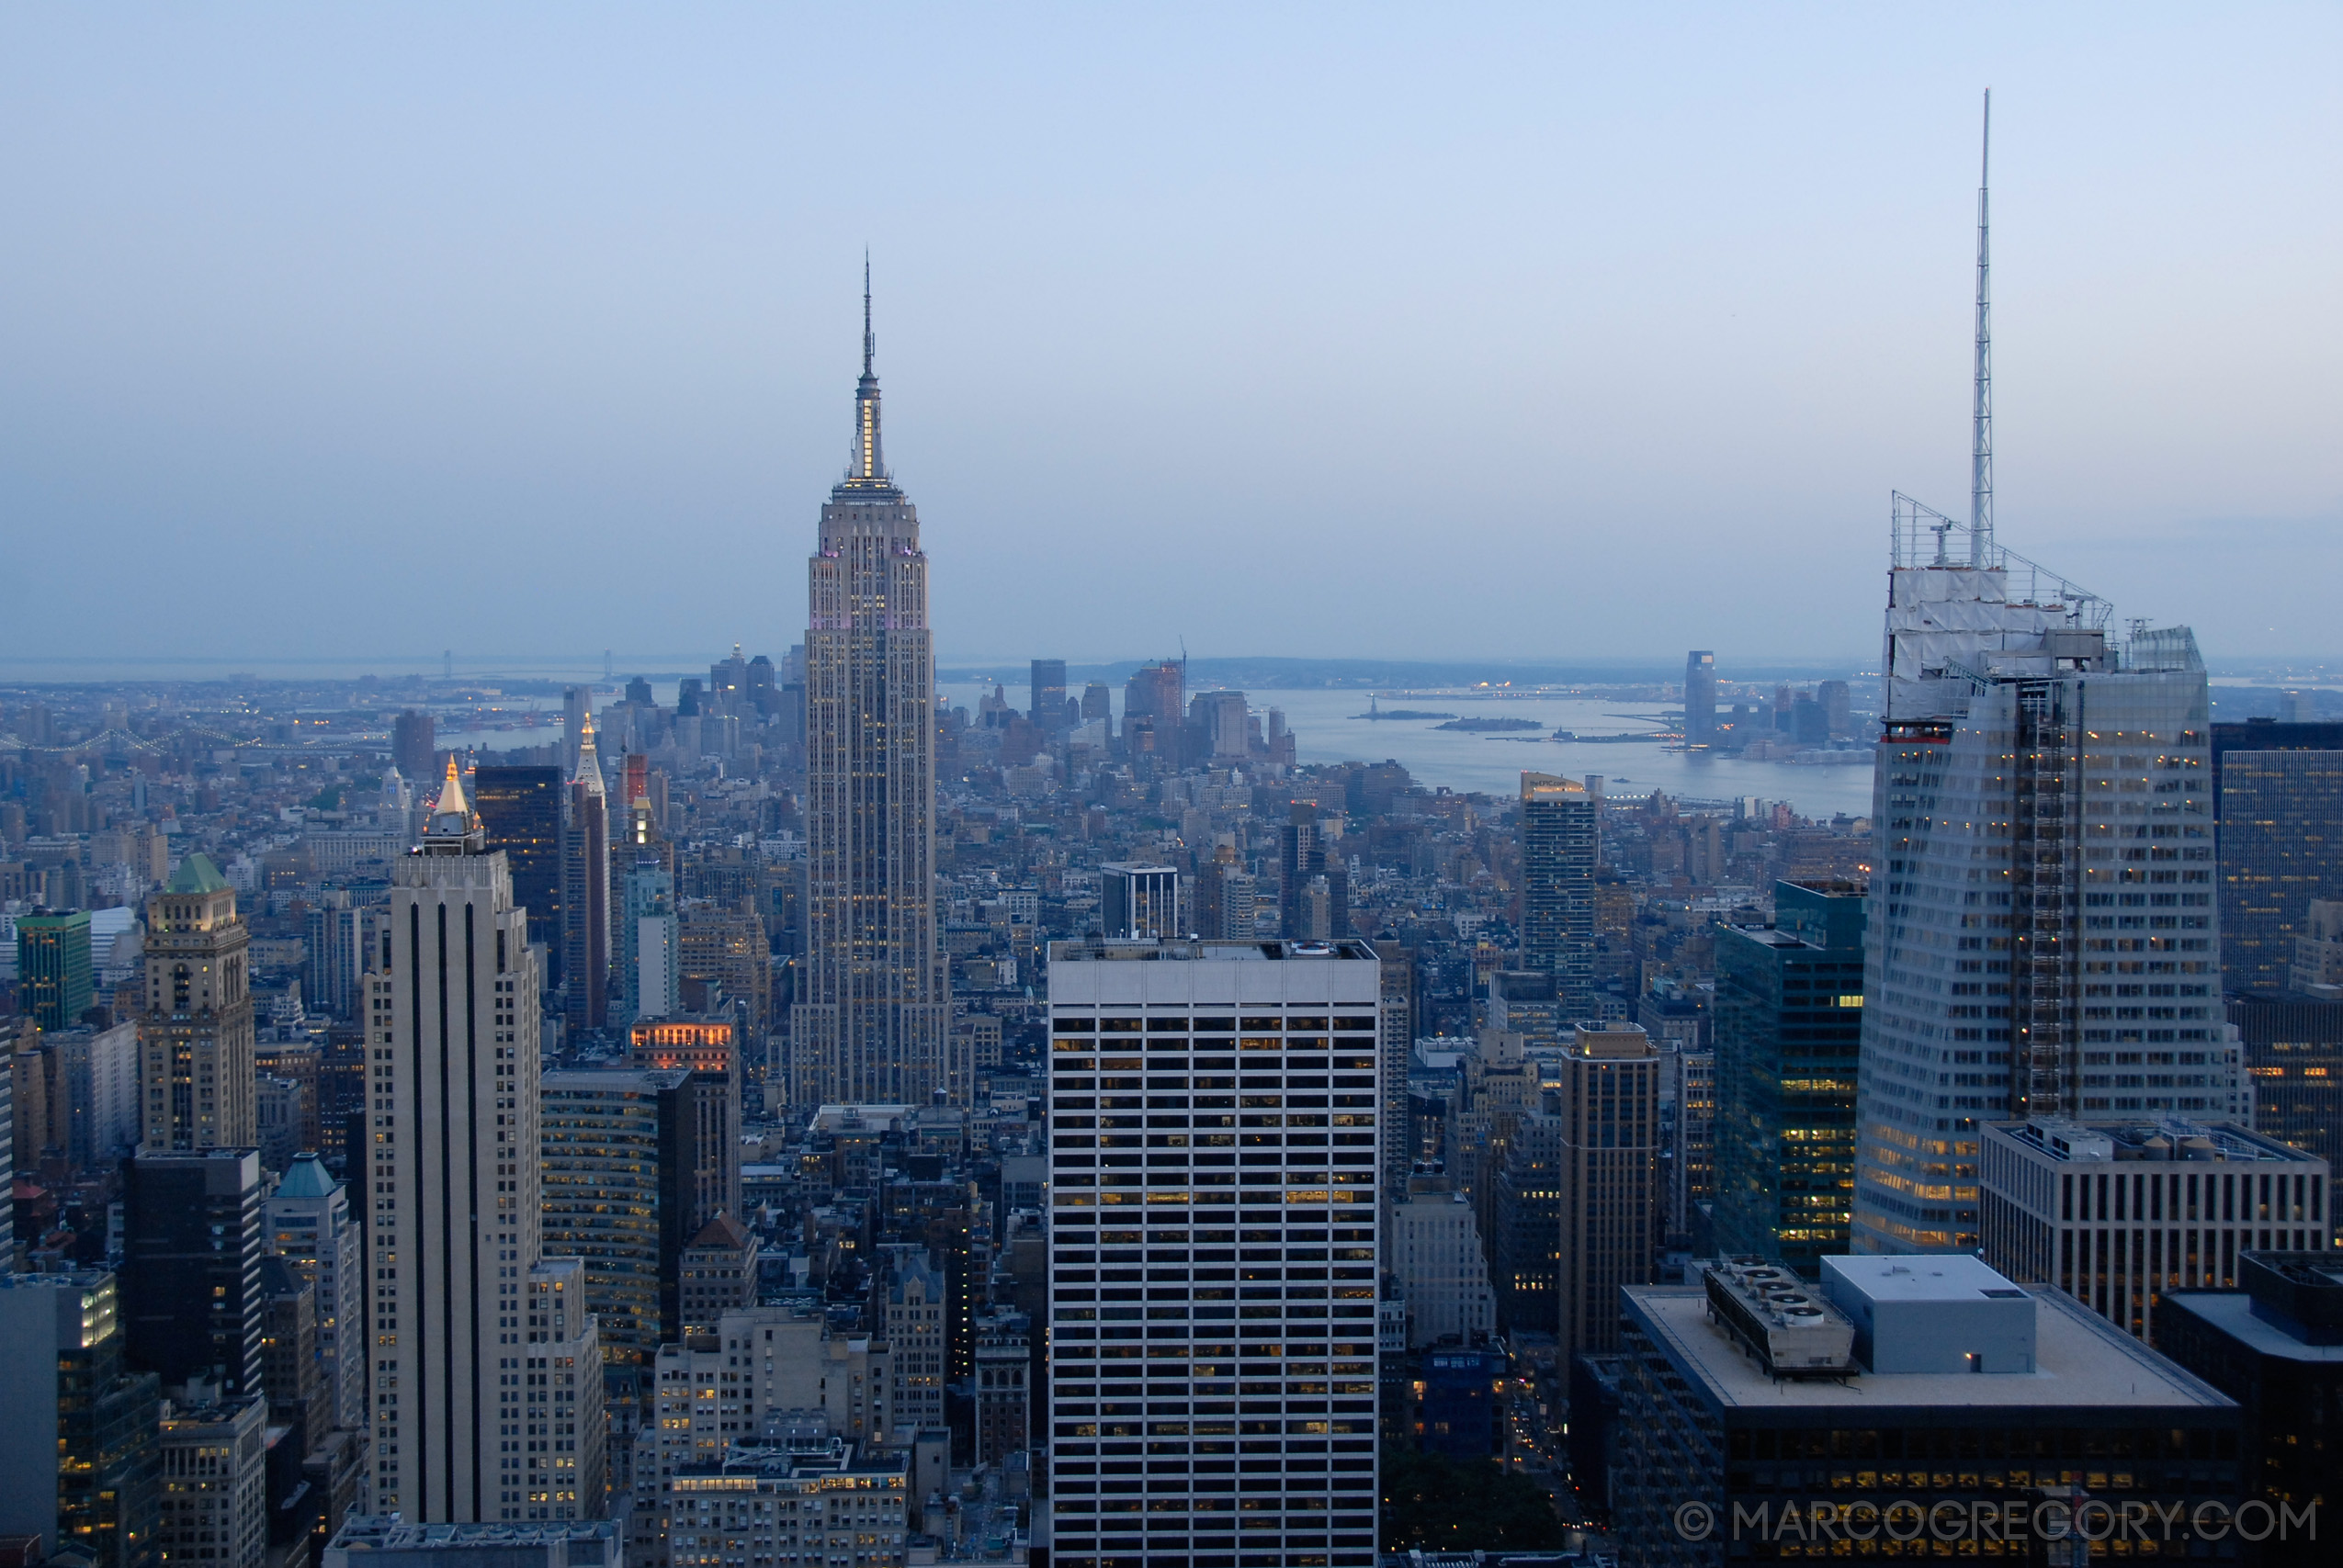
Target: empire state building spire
[(866, 467)]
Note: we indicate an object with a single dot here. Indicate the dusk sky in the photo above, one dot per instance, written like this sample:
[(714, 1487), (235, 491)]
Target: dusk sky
[(1404, 332)]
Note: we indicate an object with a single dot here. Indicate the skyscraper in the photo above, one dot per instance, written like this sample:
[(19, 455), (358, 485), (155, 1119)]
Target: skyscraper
[(191, 1294), (520, 808), (54, 966), (1609, 1181), (1700, 698), (1559, 844), (196, 1041), (2042, 919), (1301, 1027), (1049, 711), (308, 1223), (585, 892), (876, 1005), (1304, 866), (1789, 1024), (465, 1308), (412, 749), (2279, 811), (577, 724), (1139, 900), (78, 1466)]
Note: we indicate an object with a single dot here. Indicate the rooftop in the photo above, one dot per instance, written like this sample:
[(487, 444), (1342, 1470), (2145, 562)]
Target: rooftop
[(2080, 1360), (1952, 1276), (2233, 1313), (1151, 950), (2173, 1138)]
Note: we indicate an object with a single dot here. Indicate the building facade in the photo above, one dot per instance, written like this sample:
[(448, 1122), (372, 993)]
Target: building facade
[(197, 1036), (78, 1466), (1788, 1028), (1706, 1432), (2116, 1215), (1560, 842), (1700, 698), (2279, 802), (585, 890), (476, 1336), (2042, 913), (53, 970), (1609, 1181), (2275, 1346), (2294, 1050), (1140, 901), (308, 1223), (520, 810), (1436, 1256), (215, 1483), (1200, 1237), (191, 1291), (876, 1007)]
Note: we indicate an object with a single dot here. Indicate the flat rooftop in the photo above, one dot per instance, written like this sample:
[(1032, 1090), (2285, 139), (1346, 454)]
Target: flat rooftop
[(1149, 950), (1950, 1277), (2080, 1360), (2233, 1312)]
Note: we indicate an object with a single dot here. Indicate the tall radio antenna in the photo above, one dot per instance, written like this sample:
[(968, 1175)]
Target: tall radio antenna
[(1981, 443)]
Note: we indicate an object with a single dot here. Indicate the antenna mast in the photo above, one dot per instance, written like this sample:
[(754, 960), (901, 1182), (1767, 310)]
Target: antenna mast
[(1981, 443)]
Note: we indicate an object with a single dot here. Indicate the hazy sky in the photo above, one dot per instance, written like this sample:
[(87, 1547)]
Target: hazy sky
[(1405, 331)]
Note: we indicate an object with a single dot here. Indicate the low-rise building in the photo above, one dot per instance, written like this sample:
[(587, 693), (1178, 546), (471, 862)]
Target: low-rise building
[(384, 1540), (1987, 1409), (215, 1485), (2276, 1347), (813, 1500), (2116, 1215)]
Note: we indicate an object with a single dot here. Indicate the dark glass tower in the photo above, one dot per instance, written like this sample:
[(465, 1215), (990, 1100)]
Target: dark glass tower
[(1789, 1025), (2278, 810), (1559, 844), (521, 809), (191, 1267)]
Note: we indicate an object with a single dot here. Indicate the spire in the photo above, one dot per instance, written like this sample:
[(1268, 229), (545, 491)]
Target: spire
[(868, 463), (1981, 443), (451, 798), (589, 769)]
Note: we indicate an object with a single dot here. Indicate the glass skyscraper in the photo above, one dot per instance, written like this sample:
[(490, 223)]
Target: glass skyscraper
[(2041, 935), (2279, 794), (1789, 1025)]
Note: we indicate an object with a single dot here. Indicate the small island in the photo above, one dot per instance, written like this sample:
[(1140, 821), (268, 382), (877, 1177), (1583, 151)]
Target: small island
[(1401, 713), (1492, 725)]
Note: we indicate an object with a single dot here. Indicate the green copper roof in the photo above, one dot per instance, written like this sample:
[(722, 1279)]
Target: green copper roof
[(198, 875), (307, 1177)]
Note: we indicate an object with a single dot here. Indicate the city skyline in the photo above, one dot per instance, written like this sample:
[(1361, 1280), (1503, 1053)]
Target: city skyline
[(559, 398)]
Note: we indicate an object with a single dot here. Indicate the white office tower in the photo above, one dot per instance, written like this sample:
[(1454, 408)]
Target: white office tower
[(1213, 1219), (487, 1369)]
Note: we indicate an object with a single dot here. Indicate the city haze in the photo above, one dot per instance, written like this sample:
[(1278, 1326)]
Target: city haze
[(1333, 332)]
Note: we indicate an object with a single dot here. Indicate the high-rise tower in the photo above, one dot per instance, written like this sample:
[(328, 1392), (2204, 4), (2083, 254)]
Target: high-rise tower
[(1700, 698), (1561, 828), (585, 890), (876, 1007), (2041, 932), (466, 1314), (196, 1039)]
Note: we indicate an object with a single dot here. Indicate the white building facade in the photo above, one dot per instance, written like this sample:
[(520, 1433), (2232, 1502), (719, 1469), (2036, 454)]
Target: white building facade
[(1213, 1108)]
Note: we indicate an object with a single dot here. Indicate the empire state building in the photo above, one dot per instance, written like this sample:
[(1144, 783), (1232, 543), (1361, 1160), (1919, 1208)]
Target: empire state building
[(874, 1010)]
